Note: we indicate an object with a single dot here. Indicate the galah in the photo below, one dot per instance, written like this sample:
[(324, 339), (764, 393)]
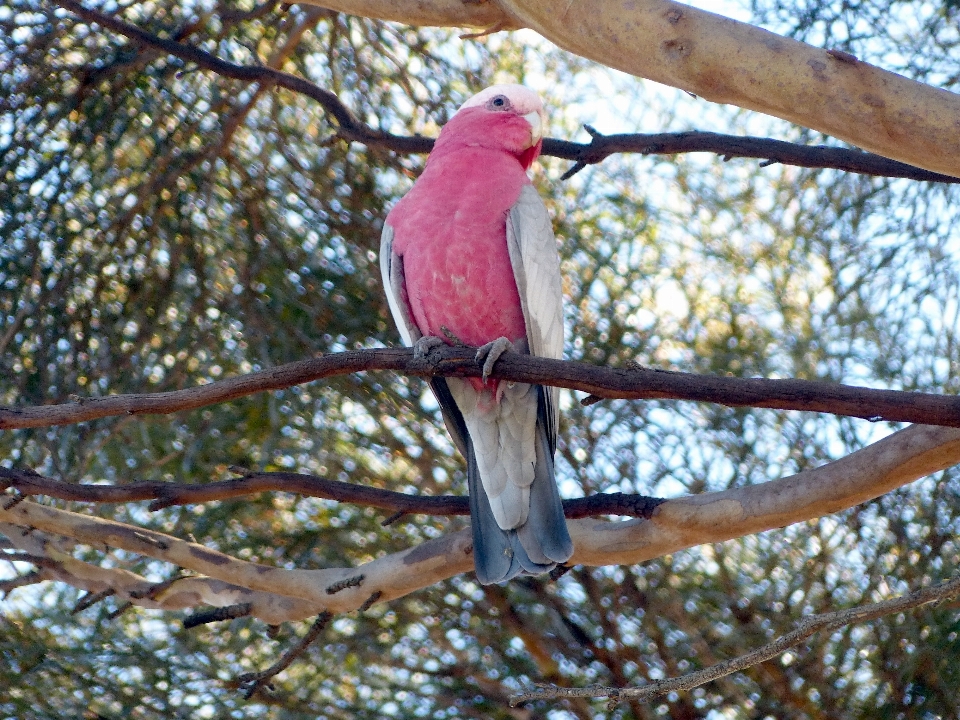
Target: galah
[(468, 256)]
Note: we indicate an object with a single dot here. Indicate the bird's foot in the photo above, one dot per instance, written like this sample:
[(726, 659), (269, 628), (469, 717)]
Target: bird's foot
[(490, 353), (423, 346)]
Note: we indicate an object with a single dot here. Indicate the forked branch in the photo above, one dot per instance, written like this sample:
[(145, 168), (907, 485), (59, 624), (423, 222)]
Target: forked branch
[(278, 594), (252, 683), (350, 128), (52, 552)]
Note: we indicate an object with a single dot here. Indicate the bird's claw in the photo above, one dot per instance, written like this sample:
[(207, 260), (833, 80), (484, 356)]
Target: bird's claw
[(490, 353), (423, 346)]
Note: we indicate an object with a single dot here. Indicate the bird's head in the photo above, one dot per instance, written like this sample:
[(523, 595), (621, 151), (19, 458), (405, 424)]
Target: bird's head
[(505, 117)]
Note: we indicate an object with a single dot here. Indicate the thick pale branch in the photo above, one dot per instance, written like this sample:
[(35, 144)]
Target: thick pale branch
[(129, 587), (634, 383), (601, 146), (875, 470), (726, 61), (334, 589), (731, 62), (806, 628), (673, 525), (432, 13)]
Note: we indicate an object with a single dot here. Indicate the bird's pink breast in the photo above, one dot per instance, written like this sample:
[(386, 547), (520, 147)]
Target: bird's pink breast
[(450, 231)]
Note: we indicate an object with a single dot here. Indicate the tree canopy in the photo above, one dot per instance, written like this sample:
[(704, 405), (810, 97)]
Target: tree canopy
[(164, 226)]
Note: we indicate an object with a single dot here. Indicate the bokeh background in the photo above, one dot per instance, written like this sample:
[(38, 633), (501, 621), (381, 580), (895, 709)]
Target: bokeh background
[(161, 227)]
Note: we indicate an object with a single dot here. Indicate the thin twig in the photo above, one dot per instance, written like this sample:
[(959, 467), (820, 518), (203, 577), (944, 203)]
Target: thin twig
[(599, 148), (31, 578), (391, 519), (255, 681), (368, 603), (805, 628), (11, 502), (355, 581), (91, 599), (631, 383), (121, 609), (228, 612)]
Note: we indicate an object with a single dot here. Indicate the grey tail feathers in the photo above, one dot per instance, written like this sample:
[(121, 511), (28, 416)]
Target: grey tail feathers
[(539, 544)]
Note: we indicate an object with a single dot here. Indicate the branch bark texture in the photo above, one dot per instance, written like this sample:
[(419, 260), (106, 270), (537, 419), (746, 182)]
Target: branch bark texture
[(129, 587), (165, 494), (724, 61), (599, 148), (278, 594), (632, 383)]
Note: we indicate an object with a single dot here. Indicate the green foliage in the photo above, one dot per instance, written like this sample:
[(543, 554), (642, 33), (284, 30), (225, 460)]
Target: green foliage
[(162, 227)]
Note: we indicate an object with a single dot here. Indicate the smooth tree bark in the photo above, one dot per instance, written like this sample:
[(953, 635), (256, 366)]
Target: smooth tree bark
[(277, 594)]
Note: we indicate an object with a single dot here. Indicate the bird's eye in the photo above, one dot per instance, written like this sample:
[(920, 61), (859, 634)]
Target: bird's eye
[(500, 102)]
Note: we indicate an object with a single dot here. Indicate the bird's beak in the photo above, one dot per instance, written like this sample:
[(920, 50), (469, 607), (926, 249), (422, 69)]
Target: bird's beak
[(536, 126)]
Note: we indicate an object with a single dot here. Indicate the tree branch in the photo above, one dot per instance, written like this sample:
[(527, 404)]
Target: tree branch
[(278, 594), (348, 126), (725, 61), (57, 563), (805, 628), (253, 682), (632, 383), (167, 494), (733, 146), (600, 147), (31, 578)]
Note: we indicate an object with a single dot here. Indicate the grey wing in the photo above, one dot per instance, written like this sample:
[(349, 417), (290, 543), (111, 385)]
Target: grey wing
[(391, 268), (536, 268)]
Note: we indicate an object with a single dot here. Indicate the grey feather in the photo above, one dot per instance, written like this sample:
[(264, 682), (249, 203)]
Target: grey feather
[(536, 546), (541, 540), (391, 270), (536, 268), (546, 528), (493, 557), (500, 555), (503, 444)]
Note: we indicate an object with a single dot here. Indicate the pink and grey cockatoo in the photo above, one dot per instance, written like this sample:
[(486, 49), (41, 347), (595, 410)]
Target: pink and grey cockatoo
[(469, 256)]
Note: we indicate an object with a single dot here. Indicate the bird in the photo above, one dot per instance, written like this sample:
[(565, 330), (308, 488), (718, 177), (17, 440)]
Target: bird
[(469, 257)]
